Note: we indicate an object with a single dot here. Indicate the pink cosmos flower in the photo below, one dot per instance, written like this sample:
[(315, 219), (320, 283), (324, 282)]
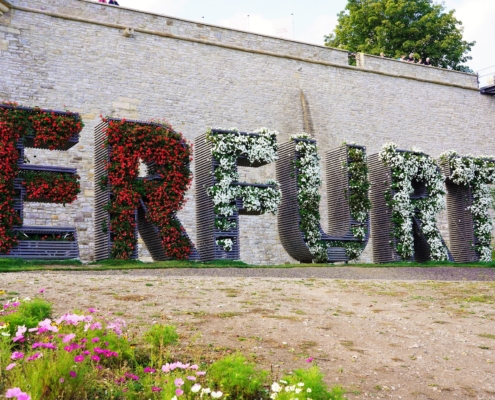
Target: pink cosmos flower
[(95, 358), (194, 366), (200, 373), (19, 336), (10, 366), (310, 359), (61, 380), (179, 392), (156, 389), (191, 378), (149, 370), (178, 382), (17, 393), (42, 290), (79, 358), (92, 310), (44, 345), (95, 339), (72, 374), (86, 352), (68, 338), (35, 356), (17, 355)]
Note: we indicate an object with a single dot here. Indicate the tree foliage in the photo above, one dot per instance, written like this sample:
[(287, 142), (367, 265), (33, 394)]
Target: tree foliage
[(397, 27)]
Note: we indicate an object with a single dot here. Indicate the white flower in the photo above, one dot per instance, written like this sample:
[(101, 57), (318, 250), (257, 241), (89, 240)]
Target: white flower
[(195, 388), (216, 395), (276, 387)]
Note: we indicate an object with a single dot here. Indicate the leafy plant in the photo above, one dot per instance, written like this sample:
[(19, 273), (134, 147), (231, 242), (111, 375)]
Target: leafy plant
[(400, 27), (238, 378), (26, 313), (162, 335)]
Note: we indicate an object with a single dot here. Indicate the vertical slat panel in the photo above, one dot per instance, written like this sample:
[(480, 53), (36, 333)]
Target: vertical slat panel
[(102, 195)]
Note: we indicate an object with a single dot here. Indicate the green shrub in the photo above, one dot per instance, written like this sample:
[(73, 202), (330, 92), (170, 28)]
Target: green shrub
[(312, 378), (238, 378), (162, 335), (28, 314)]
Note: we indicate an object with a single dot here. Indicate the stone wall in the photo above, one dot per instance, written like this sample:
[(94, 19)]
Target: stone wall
[(72, 54), (401, 68)]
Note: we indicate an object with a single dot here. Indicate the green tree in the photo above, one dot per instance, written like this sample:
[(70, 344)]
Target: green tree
[(397, 27)]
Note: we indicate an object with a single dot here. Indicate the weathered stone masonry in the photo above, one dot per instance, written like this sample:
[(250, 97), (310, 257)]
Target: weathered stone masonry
[(73, 54)]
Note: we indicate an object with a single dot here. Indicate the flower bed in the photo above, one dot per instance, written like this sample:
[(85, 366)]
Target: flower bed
[(51, 187), (88, 355), (167, 155)]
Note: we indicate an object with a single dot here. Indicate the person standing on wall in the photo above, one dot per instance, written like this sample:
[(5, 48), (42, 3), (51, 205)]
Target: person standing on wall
[(114, 2), (410, 58), (427, 62)]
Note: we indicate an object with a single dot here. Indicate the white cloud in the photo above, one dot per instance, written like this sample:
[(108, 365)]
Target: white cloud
[(477, 17), (315, 32), (257, 23), (167, 7)]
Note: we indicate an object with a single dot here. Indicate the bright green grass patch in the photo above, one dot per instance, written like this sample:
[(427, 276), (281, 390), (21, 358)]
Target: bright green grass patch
[(14, 265)]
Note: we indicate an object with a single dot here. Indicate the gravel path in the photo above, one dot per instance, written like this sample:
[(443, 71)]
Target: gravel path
[(353, 273)]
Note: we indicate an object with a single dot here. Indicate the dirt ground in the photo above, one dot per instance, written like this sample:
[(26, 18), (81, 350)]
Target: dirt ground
[(376, 338)]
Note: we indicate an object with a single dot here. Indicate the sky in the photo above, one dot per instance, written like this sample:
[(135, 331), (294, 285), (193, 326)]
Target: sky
[(309, 20)]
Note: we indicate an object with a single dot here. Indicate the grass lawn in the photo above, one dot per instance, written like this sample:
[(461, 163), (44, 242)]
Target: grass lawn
[(18, 265)]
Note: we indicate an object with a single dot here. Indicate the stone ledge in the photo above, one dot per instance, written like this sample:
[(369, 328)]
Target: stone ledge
[(4, 6), (400, 68)]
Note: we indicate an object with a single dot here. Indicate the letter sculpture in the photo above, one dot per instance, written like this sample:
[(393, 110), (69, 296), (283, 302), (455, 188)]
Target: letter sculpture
[(468, 202), (406, 195), (126, 204), (298, 172), (220, 197), (22, 127)]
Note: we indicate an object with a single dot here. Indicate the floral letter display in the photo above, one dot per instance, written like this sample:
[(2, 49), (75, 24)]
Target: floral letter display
[(22, 127), (468, 202), (407, 195), (298, 171), (126, 203), (220, 197)]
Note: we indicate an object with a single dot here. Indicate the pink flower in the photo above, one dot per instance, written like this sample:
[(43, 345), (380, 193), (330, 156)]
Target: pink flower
[(19, 336), (10, 366), (178, 382), (79, 358), (191, 378), (44, 345), (91, 310), (200, 373), (42, 290), (46, 325), (35, 356), (17, 355), (95, 358), (310, 359), (149, 370), (156, 389), (95, 339), (179, 392), (61, 380), (68, 338), (72, 374), (17, 393), (194, 366)]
